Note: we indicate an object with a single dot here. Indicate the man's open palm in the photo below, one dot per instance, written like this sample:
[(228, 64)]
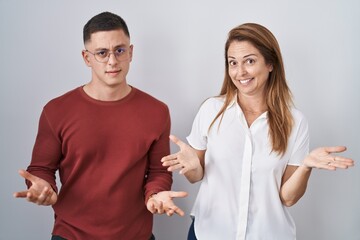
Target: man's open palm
[(40, 192)]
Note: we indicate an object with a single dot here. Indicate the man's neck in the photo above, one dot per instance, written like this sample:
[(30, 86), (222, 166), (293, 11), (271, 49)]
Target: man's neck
[(107, 93)]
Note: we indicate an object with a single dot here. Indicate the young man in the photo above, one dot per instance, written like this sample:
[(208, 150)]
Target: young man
[(106, 139)]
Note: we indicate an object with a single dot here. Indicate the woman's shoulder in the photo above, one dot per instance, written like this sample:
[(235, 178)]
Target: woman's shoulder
[(300, 120), (213, 103), (297, 114)]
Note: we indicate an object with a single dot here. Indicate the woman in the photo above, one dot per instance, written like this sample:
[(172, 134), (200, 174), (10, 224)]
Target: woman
[(249, 147)]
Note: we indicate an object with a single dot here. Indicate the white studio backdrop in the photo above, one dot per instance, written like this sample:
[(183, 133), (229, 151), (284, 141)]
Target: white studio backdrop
[(179, 58)]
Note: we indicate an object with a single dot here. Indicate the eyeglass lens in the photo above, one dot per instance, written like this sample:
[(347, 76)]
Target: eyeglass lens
[(104, 55)]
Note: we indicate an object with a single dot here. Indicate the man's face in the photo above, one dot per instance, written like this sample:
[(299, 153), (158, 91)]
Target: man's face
[(109, 54)]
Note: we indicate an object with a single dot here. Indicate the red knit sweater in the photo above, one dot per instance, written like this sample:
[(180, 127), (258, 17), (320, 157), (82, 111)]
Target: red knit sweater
[(108, 156)]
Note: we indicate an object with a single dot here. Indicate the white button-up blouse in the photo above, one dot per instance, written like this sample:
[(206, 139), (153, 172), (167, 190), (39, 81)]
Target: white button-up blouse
[(239, 193)]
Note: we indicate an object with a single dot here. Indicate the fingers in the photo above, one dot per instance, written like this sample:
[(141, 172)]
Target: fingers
[(324, 158), (170, 208), (178, 161), (159, 207), (341, 162), (338, 161), (155, 206), (332, 163), (170, 212), (170, 160), (326, 163), (327, 166), (179, 212), (180, 194), (175, 209), (39, 199), (46, 197), (21, 194), (175, 167), (162, 203), (151, 207)]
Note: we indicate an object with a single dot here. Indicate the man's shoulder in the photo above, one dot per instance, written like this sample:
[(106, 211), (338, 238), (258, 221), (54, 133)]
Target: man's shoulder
[(148, 99), (65, 98)]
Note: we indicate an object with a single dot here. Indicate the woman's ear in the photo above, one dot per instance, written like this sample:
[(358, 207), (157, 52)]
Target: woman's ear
[(270, 67)]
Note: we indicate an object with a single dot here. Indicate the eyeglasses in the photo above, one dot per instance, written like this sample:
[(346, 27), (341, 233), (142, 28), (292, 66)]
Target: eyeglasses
[(103, 55)]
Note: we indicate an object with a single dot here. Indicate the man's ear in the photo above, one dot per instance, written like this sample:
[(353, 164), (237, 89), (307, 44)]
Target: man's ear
[(85, 56), (131, 49)]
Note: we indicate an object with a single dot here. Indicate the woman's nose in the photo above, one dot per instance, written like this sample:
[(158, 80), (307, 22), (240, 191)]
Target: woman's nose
[(241, 70)]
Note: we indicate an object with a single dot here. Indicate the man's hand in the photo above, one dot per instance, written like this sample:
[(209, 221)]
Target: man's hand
[(40, 192), (162, 202)]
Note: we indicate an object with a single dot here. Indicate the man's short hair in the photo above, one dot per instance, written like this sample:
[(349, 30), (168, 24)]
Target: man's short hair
[(105, 21)]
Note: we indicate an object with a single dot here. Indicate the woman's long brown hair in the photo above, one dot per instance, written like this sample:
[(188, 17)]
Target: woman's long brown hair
[(278, 95)]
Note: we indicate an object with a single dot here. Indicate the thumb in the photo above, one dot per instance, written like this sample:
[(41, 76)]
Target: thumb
[(177, 141), (336, 149), (178, 194), (27, 175)]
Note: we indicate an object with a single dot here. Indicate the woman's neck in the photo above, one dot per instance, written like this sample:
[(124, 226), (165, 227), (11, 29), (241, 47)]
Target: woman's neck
[(252, 104), (252, 107)]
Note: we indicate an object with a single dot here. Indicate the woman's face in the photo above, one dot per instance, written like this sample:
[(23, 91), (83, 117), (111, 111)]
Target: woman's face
[(247, 68)]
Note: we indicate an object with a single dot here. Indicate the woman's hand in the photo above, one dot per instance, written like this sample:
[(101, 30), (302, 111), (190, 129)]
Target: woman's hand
[(323, 158), (185, 160)]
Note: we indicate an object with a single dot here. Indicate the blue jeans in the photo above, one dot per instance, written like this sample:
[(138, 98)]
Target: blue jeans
[(60, 238), (191, 234)]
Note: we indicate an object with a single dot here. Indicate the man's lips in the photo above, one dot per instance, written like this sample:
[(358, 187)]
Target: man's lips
[(113, 71)]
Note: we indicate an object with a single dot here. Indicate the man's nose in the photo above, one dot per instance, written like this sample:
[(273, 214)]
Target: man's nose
[(112, 58)]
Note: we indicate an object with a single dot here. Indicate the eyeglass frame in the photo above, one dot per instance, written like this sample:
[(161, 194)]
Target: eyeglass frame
[(107, 58)]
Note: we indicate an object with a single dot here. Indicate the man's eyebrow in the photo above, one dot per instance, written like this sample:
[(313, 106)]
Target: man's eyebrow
[(116, 47), (120, 46), (100, 48)]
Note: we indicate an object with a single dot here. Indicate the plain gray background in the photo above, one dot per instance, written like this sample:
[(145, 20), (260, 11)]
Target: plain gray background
[(178, 58)]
